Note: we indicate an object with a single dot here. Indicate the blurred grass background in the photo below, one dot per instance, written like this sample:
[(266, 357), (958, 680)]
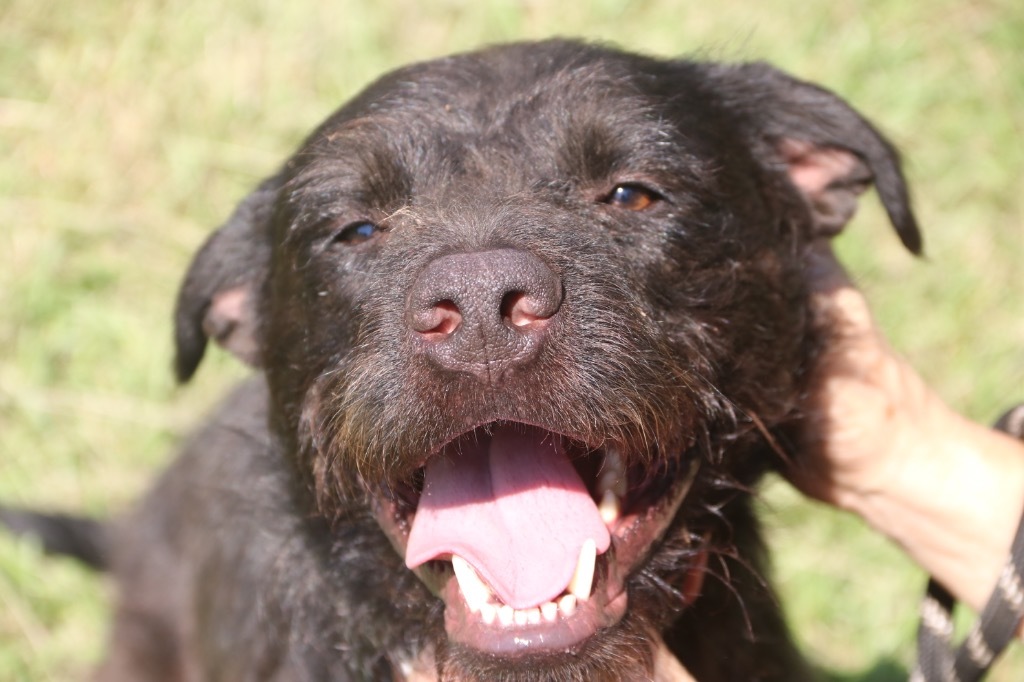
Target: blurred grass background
[(129, 130)]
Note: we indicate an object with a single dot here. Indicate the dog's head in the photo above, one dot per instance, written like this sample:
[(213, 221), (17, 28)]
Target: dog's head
[(537, 307)]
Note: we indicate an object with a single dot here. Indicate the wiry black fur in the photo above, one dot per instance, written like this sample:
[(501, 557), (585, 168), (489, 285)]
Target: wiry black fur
[(62, 534), (683, 334)]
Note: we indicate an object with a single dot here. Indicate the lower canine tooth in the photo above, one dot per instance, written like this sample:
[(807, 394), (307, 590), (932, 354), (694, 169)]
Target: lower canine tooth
[(583, 578), (474, 591)]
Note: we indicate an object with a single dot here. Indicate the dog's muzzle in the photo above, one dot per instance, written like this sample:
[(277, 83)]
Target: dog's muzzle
[(529, 536)]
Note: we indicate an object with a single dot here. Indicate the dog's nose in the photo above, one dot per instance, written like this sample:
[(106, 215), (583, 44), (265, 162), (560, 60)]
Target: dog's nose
[(485, 311)]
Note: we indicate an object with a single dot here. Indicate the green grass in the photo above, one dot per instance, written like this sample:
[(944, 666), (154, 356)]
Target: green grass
[(128, 131)]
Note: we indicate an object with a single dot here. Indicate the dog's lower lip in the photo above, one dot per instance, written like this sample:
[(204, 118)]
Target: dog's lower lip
[(467, 628)]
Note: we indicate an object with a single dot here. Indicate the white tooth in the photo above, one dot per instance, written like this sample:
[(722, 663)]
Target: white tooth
[(474, 591), (567, 604), (549, 611), (533, 616), (488, 612), (506, 614), (613, 474), (583, 578), (520, 617), (609, 508)]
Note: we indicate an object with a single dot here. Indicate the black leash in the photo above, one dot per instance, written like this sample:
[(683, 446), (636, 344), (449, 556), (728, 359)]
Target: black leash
[(997, 625)]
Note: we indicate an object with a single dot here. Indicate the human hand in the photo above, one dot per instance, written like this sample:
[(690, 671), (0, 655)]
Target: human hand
[(866, 411), (877, 441)]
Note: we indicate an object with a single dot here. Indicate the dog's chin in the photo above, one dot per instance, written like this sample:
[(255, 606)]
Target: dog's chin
[(625, 652), (633, 499)]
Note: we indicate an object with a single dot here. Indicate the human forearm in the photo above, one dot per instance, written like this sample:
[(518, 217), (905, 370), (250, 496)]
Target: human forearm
[(953, 501)]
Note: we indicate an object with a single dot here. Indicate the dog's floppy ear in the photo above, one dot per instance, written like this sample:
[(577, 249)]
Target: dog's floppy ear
[(831, 153), (217, 298)]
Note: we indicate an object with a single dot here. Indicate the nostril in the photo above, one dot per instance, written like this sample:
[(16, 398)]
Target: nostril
[(522, 310), (449, 318), (438, 321)]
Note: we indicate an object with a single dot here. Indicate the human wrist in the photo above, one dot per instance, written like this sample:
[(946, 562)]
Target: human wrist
[(951, 497)]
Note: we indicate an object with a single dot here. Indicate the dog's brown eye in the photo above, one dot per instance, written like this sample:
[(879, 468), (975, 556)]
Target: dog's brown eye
[(632, 197), (356, 233)]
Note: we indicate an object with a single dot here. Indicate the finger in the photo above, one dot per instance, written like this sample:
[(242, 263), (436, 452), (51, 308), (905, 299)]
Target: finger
[(667, 667)]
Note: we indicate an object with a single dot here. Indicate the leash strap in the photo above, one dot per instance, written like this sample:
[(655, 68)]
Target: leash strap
[(996, 626)]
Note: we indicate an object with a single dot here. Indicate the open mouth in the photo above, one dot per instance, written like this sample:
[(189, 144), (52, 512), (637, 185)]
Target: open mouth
[(530, 536)]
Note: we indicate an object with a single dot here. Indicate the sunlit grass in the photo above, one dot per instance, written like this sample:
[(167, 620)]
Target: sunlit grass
[(129, 130)]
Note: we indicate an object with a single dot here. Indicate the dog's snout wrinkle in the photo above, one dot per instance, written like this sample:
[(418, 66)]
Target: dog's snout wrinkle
[(483, 311)]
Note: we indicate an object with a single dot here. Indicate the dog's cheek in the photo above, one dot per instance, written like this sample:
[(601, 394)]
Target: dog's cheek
[(767, 353), (743, 320), (307, 324), (348, 376)]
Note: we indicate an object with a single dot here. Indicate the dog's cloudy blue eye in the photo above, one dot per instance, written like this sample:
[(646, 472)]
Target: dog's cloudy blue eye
[(356, 233), (632, 197)]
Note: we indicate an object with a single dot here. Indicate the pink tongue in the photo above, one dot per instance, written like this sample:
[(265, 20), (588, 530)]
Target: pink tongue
[(512, 506)]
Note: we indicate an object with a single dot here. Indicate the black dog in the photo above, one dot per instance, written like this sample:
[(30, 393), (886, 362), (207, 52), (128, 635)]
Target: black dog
[(532, 322)]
